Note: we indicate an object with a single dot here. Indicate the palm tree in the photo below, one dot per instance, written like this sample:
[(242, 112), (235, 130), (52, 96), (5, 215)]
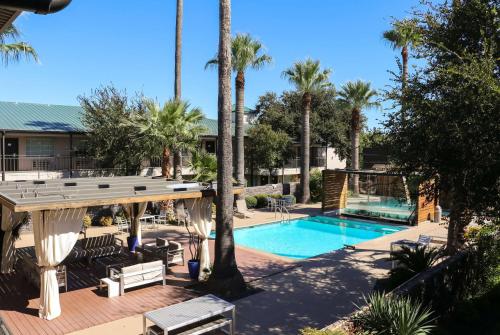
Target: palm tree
[(226, 278), (404, 34), (308, 78), (356, 96), (13, 52), (246, 53), (204, 165), (173, 127)]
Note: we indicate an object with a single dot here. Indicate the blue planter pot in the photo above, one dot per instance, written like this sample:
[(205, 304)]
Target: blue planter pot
[(194, 269), (132, 242)]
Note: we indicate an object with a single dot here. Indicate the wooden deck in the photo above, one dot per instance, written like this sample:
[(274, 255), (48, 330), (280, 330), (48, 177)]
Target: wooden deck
[(84, 306)]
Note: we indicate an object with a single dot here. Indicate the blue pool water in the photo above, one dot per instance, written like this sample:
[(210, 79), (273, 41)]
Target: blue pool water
[(311, 236)]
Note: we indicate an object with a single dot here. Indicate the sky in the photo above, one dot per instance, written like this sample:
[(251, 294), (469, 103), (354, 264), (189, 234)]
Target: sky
[(130, 44)]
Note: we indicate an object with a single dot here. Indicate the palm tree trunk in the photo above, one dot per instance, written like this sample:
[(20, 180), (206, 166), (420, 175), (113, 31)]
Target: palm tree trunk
[(178, 49), (165, 165), (404, 57), (305, 148), (239, 130), (355, 128), (178, 165), (226, 279)]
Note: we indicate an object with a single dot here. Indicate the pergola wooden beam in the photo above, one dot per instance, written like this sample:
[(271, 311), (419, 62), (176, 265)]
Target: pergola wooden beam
[(26, 196)]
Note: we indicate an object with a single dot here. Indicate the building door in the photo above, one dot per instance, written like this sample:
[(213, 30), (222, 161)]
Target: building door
[(11, 154)]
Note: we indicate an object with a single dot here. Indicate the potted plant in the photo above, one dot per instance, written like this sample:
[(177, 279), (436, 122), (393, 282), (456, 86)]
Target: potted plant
[(194, 250)]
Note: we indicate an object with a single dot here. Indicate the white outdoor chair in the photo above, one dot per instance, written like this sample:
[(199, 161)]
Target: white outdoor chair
[(122, 225), (161, 218)]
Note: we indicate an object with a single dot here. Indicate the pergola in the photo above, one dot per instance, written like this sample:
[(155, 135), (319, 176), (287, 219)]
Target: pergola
[(57, 208)]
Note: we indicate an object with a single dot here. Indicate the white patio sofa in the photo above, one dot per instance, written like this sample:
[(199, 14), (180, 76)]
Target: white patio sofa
[(138, 275)]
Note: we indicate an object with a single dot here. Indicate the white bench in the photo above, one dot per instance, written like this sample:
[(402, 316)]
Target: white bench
[(138, 275)]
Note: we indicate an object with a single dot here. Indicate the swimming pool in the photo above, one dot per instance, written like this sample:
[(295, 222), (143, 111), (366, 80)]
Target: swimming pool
[(310, 236)]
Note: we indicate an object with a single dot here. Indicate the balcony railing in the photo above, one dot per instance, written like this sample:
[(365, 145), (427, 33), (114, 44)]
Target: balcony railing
[(294, 163), (49, 163)]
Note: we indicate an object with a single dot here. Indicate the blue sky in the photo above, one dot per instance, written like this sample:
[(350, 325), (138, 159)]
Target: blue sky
[(131, 45)]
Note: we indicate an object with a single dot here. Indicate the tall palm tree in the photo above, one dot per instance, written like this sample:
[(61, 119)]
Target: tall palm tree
[(308, 78), (246, 53), (173, 127), (356, 96), (404, 34), (177, 76), (226, 278), (13, 52)]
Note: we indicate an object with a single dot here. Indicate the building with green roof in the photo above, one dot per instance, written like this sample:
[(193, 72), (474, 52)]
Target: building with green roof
[(40, 141)]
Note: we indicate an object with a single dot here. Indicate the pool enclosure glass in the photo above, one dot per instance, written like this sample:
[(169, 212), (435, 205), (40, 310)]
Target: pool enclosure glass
[(380, 195)]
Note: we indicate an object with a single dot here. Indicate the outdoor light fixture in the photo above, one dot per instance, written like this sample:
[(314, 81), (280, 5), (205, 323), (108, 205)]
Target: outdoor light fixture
[(36, 6)]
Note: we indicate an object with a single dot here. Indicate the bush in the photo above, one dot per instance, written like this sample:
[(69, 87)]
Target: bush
[(316, 185), (106, 221), (87, 221), (386, 314), (251, 201), (261, 200), (313, 331)]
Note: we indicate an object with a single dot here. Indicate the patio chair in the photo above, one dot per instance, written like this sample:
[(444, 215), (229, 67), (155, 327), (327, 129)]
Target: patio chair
[(122, 225), (271, 203), (424, 240), (242, 210), (162, 217), (170, 252)]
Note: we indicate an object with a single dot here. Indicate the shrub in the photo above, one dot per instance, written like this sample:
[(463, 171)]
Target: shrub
[(87, 221), (316, 185), (411, 262), (251, 201), (106, 221), (261, 200), (386, 314), (313, 331)]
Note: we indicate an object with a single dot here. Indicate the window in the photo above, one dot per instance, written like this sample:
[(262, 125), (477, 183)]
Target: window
[(210, 147), (40, 146)]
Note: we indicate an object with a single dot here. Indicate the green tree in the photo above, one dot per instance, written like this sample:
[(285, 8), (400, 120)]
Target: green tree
[(307, 77), (108, 140), (453, 108), (329, 122), (266, 148), (173, 127), (356, 96), (246, 52), (404, 34), (226, 278), (13, 52)]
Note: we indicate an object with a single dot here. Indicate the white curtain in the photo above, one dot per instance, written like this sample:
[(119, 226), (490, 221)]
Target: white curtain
[(55, 233), (135, 217), (9, 221), (200, 211)]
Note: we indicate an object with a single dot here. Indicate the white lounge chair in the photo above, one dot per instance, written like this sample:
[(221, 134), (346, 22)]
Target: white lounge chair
[(242, 210)]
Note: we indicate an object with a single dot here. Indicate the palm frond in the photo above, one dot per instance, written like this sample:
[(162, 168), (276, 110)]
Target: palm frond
[(307, 76), (16, 51)]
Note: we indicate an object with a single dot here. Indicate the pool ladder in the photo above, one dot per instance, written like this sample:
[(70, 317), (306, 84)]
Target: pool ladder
[(284, 213)]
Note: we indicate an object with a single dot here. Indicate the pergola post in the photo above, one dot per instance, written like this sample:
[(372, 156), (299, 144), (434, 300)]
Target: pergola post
[(3, 155), (70, 155)]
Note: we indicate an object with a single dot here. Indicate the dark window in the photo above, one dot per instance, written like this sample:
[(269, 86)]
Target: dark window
[(210, 147)]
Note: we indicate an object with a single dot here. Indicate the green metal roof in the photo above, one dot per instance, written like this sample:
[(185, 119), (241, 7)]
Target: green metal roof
[(40, 118)]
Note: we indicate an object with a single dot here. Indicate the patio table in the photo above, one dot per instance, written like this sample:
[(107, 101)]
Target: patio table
[(190, 312)]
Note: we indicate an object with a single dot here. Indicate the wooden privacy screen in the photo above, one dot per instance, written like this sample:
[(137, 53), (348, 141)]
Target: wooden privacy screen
[(426, 208), (334, 190)]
